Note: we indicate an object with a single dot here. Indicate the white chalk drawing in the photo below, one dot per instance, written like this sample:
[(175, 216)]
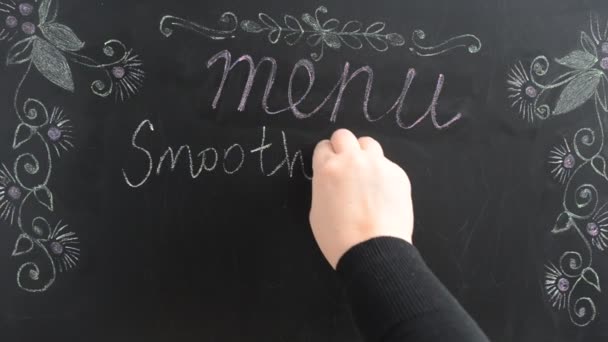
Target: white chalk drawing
[(321, 34), (37, 42), (562, 161), (536, 92), (124, 73), (50, 46), (468, 41)]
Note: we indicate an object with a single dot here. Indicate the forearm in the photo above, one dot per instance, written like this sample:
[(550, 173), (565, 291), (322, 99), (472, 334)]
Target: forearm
[(395, 296)]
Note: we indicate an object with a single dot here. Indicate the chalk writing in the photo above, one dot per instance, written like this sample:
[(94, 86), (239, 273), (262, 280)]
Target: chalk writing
[(578, 163), (338, 90), (321, 34), (39, 42), (331, 34), (232, 159)]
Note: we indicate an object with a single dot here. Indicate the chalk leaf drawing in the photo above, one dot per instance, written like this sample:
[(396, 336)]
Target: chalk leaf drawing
[(584, 78), (44, 43), (577, 162), (37, 42), (320, 33), (329, 33), (50, 47)]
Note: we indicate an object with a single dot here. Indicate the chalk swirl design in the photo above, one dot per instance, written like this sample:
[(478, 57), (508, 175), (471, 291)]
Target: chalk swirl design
[(468, 41), (320, 33), (536, 91), (41, 44), (227, 19)]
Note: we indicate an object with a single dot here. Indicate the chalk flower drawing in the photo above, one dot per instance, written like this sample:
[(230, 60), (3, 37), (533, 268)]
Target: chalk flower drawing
[(62, 244), (49, 46), (59, 132), (597, 228), (557, 286), (522, 92), (127, 76), (124, 74), (585, 78), (578, 162), (11, 195), (17, 20), (320, 33), (37, 41), (563, 161), (56, 130)]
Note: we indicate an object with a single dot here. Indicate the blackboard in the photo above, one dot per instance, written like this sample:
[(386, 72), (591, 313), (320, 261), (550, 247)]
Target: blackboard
[(156, 162)]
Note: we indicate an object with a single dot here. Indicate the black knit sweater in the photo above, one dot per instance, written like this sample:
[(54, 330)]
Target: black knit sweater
[(395, 296)]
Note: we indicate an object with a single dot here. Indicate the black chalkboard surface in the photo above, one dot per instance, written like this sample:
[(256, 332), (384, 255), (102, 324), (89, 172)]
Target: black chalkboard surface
[(154, 183)]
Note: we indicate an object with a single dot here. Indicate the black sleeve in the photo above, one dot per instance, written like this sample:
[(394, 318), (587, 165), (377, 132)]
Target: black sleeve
[(395, 296)]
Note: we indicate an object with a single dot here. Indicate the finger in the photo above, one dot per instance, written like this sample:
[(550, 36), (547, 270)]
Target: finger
[(323, 151), (371, 145), (344, 140)]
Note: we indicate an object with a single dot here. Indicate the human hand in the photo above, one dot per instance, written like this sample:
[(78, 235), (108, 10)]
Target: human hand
[(357, 195)]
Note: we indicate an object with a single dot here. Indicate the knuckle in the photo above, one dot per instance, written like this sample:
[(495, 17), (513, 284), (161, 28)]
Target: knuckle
[(321, 145), (341, 134), (360, 161), (331, 168), (368, 140), (354, 159)]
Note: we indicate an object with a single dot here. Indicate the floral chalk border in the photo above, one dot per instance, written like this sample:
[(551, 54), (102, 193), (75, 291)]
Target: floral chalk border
[(577, 163), (38, 41), (321, 34)]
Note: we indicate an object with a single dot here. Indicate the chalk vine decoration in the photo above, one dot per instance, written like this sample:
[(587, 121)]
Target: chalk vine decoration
[(577, 162), (38, 42), (320, 34)]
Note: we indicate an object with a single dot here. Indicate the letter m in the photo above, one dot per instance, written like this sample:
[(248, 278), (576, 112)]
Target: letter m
[(253, 69)]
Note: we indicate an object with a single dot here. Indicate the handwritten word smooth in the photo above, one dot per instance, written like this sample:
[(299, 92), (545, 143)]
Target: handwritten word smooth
[(229, 160)]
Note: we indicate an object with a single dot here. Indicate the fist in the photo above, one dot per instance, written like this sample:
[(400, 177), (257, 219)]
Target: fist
[(357, 195)]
